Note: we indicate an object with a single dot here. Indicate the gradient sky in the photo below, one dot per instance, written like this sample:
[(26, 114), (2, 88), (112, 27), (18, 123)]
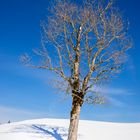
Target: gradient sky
[(26, 93)]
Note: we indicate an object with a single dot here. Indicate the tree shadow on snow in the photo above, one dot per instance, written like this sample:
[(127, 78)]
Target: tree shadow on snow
[(48, 131), (52, 131)]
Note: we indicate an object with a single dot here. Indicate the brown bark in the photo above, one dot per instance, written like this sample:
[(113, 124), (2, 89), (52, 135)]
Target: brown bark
[(74, 119)]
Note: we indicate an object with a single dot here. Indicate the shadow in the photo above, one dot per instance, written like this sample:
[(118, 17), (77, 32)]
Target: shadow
[(42, 131), (53, 132)]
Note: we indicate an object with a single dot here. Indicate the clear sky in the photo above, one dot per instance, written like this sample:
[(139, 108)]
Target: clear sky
[(26, 93)]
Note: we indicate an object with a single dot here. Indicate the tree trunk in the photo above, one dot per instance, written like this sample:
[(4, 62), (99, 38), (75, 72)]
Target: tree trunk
[(74, 120)]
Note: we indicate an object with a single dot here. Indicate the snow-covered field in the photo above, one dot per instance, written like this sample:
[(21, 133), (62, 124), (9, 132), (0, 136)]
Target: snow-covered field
[(56, 129)]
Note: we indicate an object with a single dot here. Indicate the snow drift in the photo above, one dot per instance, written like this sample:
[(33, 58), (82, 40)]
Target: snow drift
[(56, 129)]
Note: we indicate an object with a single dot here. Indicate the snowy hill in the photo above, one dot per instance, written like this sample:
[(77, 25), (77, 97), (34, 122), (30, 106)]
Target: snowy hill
[(56, 129)]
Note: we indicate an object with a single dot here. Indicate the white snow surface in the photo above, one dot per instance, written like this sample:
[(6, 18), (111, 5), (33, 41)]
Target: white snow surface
[(56, 129)]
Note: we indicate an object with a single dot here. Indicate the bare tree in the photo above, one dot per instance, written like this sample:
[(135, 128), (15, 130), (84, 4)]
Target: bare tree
[(85, 44)]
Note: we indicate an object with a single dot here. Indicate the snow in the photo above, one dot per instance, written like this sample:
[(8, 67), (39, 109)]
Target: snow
[(56, 129)]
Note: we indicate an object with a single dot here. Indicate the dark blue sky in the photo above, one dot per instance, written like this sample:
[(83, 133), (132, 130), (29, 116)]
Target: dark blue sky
[(25, 93)]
